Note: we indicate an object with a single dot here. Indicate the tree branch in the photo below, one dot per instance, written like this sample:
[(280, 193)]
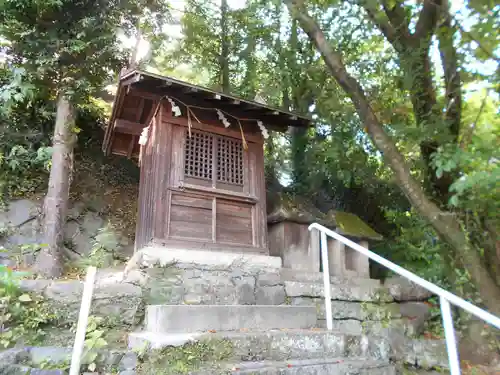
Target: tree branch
[(382, 21), (445, 224), (470, 131), (398, 18), (427, 20)]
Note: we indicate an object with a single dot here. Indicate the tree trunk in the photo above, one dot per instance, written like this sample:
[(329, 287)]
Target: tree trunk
[(444, 223), (224, 56), (413, 51), (134, 61), (249, 88), (49, 261)]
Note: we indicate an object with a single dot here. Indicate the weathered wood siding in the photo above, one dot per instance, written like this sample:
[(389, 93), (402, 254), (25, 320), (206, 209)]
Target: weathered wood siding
[(202, 191)]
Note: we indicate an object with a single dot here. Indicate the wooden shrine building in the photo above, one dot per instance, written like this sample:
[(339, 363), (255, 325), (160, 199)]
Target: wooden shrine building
[(202, 162)]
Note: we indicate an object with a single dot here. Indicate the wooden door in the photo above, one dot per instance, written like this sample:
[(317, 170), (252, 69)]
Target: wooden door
[(213, 198)]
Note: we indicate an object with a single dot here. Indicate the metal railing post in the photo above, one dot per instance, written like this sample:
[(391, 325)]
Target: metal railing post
[(449, 334), (450, 297), (81, 328), (446, 298), (326, 281)]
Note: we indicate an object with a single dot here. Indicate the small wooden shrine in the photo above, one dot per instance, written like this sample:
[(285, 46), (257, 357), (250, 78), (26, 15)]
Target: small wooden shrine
[(202, 162)]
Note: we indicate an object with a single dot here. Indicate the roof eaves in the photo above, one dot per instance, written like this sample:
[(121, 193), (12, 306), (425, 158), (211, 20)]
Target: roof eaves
[(201, 88)]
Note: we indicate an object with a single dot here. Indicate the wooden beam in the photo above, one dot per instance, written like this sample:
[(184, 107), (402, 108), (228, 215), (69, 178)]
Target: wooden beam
[(215, 127), (138, 114), (189, 90), (134, 79), (128, 127), (131, 146), (134, 91)]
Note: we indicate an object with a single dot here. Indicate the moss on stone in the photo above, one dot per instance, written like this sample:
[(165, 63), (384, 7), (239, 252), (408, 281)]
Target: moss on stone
[(186, 358), (351, 225), (288, 207)]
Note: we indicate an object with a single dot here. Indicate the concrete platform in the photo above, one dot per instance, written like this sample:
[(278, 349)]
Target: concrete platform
[(158, 255), (202, 318)]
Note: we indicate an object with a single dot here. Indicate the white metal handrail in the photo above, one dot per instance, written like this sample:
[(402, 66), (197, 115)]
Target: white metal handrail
[(445, 297)]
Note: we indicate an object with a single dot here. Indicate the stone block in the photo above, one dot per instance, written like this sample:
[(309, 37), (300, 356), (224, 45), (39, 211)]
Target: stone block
[(317, 277), (295, 245), (426, 354), (128, 362), (342, 292), (245, 294), (193, 318), (52, 354), (402, 289), (34, 286), (37, 371), (69, 291), (269, 279), (14, 356), (143, 341), (91, 223), (336, 258), (270, 295), (416, 314), (19, 212)]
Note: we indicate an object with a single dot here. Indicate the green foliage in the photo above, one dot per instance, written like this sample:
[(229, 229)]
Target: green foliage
[(187, 358), (94, 342), (22, 315), (477, 157), (23, 171), (104, 249), (415, 246)]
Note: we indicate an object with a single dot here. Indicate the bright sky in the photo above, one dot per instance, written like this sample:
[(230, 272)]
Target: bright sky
[(457, 8)]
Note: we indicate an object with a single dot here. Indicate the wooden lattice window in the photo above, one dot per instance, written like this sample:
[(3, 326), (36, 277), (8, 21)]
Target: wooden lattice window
[(230, 161), (199, 156), (199, 160)]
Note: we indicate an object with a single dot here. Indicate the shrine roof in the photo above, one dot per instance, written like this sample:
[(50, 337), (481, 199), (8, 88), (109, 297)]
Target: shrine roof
[(194, 95)]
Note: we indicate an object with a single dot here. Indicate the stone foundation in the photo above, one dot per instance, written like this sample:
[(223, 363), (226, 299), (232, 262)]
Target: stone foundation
[(299, 249)]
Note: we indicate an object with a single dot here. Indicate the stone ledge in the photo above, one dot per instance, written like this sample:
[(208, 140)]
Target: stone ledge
[(202, 318), (157, 255), (341, 292)]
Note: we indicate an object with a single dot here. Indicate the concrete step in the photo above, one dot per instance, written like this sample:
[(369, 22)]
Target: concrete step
[(343, 292), (330, 366), (288, 274), (202, 318), (275, 345)]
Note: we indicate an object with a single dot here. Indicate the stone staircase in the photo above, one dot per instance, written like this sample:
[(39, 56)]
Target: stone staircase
[(264, 340), (215, 314), (273, 319)]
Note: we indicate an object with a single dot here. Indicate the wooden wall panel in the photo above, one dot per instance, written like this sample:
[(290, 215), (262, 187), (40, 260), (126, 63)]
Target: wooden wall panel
[(214, 214), (234, 222), (163, 156), (191, 217)]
